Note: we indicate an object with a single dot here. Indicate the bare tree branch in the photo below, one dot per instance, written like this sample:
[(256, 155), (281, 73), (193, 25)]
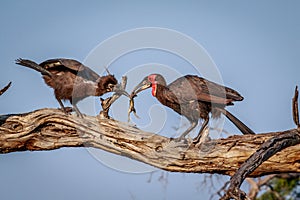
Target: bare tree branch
[(256, 186), (48, 129), (295, 108), (268, 149), (5, 88), (106, 103), (266, 181), (265, 151)]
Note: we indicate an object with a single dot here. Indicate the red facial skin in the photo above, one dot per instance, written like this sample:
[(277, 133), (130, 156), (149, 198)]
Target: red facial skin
[(151, 78)]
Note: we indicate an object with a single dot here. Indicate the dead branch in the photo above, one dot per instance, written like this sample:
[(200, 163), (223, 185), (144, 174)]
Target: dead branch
[(257, 185), (268, 149), (295, 108), (106, 103), (49, 129), (254, 187), (264, 152), (5, 88)]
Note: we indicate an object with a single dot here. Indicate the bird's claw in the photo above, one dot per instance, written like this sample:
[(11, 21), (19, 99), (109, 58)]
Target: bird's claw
[(179, 139), (67, 110)]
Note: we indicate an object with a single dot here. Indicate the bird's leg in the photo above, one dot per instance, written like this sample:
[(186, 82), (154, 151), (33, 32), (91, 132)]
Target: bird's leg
[(193, 125), (205, 123), (77, 111), (63, 108), (79, 114)]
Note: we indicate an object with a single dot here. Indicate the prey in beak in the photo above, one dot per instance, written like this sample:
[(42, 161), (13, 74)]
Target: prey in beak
[(119, 89), (143, 85)]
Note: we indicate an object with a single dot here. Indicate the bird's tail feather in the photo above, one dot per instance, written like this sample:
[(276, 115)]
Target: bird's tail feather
[(240, 125), (33, 65)]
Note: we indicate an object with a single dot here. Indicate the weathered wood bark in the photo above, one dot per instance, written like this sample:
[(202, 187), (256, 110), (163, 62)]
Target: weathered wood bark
[(48, 129), (266, 150)]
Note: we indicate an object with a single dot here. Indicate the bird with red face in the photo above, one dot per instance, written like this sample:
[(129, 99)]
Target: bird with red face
[(71, 80), (193, 97)]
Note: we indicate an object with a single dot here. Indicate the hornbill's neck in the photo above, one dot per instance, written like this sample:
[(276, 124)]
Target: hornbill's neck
[(161, 93), (159, 85)]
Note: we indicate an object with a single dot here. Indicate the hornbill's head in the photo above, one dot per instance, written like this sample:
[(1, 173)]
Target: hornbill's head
[(149, 81), (110, 84)]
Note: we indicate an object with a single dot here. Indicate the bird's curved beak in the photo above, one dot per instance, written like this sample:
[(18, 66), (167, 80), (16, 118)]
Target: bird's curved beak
[(119, 90), (143, 85)]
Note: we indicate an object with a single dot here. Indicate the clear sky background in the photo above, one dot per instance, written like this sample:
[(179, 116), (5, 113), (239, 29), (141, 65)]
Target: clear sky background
[(254, 44)]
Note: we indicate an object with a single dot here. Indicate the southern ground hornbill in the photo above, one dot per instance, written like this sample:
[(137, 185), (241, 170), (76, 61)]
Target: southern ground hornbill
[(71, 80), (193, 97)]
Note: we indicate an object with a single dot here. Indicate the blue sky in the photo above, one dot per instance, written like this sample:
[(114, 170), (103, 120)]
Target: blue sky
[(254, 44)]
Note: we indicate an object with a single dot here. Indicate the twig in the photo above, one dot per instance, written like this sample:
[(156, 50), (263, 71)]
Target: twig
[(266, 150), (255, 186), (106, 103), (222, 189), (267, 181), (295, 108), (5, 88)]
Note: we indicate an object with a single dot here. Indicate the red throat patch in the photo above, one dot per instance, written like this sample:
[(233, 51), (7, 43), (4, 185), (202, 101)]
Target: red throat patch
[(151, 78), (154, 86)]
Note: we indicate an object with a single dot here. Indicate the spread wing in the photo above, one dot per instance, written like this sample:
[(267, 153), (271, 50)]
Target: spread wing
[(73, 66), (190, 88)]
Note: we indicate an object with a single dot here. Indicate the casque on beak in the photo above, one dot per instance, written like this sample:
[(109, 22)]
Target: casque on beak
[(119, 90), (143, 85)]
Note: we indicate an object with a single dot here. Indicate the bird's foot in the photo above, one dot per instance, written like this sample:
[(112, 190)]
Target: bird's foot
[(201, 139), (80, 115), (179, 139), (67, 110)]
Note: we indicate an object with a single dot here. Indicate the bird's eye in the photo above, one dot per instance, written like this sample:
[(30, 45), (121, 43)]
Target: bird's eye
[(110, 85), (151, 78)]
